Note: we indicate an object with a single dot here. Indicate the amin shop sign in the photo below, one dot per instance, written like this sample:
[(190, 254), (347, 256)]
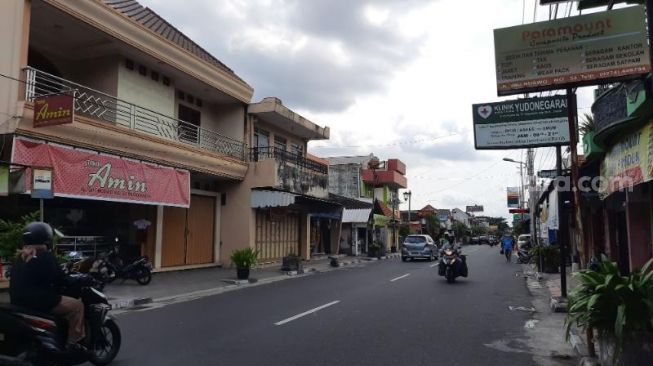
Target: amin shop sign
[(90, 175), (589, 49), (53, 110)]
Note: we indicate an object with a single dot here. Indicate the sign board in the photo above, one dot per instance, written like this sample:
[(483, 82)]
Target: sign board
[(518, 210), (475, 208), (589, 49), (51, 110), (521, 123), (42, 183), (89, 175), (513, 197), (4, 180)]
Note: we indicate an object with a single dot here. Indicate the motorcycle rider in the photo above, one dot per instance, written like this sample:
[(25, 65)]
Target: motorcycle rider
[(36, 281)]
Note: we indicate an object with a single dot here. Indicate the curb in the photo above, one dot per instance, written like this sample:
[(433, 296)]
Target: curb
[(123, 305)]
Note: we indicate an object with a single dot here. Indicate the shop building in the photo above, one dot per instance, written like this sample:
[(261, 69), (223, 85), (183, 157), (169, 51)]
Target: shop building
[(282, 206), (157, 133)]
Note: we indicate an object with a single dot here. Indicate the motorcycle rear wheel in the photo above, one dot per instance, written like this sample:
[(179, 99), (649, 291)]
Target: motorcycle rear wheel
[(143, 276), (112, 339)]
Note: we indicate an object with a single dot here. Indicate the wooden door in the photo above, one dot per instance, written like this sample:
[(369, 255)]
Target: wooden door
[(201, 223), (173, 246)]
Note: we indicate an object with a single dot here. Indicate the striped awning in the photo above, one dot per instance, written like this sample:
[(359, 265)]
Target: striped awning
[(356, 215)]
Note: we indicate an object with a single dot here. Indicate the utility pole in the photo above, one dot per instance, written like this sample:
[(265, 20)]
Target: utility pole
[(575, 176), (530, 157), (559, 239)]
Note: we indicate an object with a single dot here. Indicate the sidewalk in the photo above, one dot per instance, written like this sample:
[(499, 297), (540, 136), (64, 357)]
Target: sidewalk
[(184, 285), (547, 330)]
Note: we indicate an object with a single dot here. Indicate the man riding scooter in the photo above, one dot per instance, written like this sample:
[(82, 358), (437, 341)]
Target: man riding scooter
[(36, 281)]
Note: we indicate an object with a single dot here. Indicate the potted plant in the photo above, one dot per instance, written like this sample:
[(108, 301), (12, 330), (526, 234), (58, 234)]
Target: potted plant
[(244, 259), (291, 262), (11, 234), (550, 258), (619, 308)]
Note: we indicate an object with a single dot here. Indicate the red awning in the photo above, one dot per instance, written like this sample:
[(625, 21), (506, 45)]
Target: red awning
[(80, 173)]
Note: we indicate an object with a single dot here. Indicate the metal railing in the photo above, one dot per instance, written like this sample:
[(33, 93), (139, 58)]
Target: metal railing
[(87, 246), (272, 152), (107, 108)]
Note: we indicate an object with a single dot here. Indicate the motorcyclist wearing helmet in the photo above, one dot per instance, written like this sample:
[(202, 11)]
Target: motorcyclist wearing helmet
[(36, 281)]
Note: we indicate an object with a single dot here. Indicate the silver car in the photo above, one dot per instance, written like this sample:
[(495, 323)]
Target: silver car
[(419, 246)]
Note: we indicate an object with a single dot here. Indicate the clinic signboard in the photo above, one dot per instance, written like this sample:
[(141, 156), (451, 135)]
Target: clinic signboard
[(590, 49), (522, 123)]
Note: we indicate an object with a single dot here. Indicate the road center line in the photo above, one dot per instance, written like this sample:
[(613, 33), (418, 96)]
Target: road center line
[(400, 277), (306, 313)]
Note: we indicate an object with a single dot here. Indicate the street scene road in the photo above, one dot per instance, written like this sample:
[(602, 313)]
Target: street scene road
[(384, 313)]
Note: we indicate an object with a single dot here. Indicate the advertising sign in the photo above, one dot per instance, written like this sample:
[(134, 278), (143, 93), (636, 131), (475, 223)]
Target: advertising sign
[(521, 123), (475, 208), (90, 175), (628, 162), (42, 183), (4, 180), (591, 49), (513, 197), (51, 110)]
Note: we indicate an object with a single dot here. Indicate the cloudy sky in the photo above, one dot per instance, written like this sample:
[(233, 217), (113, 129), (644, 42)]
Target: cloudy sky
[(392, 77)]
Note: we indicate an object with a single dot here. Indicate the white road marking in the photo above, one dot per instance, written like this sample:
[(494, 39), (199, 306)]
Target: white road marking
[(433, 265), (400, 277), (306, 313)]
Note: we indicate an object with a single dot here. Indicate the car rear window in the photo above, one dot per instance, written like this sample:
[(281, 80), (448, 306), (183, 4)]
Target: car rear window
[(415, 239)]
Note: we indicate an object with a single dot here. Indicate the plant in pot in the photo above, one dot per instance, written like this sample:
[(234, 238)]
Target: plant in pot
[(291, 262), (619, 308), (550, 258), (244, 259)]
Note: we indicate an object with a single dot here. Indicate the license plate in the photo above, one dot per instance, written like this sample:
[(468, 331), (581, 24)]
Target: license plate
[(414, 253)]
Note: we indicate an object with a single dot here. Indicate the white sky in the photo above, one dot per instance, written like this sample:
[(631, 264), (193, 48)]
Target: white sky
[(392, 77)]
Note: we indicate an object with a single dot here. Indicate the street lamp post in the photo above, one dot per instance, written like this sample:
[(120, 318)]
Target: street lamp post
[(407, 197)]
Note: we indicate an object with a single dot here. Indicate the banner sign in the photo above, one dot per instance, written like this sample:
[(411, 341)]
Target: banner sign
[(513, 197), (521, 123), (4, 180), (591, 49), (51, 110), (42, 183), (475, 208), (89, 175), (628, 162)]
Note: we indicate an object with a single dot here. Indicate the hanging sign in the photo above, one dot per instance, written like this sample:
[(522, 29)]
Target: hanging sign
[(42, 183), (51, 110), (591, 49), (513, 197), (521, 123)]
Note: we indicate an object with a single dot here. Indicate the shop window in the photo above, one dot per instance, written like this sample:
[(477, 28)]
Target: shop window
[(297, 149), (189, 130)]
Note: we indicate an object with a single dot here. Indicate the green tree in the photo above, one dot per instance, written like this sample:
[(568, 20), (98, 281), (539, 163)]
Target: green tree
[(432, 225), (11, 233), (460, 231), (404, 230)]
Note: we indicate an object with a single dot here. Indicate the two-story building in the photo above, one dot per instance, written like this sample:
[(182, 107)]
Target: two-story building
[(157, 136), (368, 179), (282, 206)]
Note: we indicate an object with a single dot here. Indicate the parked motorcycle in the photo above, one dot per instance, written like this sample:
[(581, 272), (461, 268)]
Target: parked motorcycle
[(40, 339), (452, 264), (77, 263), (113, 267), (525, 254)]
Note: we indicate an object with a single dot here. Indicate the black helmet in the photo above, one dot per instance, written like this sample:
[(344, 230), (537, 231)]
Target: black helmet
[(37, 233)]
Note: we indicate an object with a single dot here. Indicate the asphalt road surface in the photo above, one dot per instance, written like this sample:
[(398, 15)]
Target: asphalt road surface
[(383, 313)]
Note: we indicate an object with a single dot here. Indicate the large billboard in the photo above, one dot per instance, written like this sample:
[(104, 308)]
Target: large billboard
[(582, 50), (521, 123)]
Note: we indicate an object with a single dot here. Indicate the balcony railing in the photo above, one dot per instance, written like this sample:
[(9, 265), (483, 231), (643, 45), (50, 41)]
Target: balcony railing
[(271, 152), (107, 108)]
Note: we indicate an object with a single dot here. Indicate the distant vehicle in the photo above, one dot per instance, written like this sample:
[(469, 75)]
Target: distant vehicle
[(475, 240), (483, 239), (492, 240), (524, 240), (419, 246)]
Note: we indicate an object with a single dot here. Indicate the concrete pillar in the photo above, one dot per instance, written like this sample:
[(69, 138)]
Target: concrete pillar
[(336, 229), (305, 236), (638, 218), (158, 244)]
